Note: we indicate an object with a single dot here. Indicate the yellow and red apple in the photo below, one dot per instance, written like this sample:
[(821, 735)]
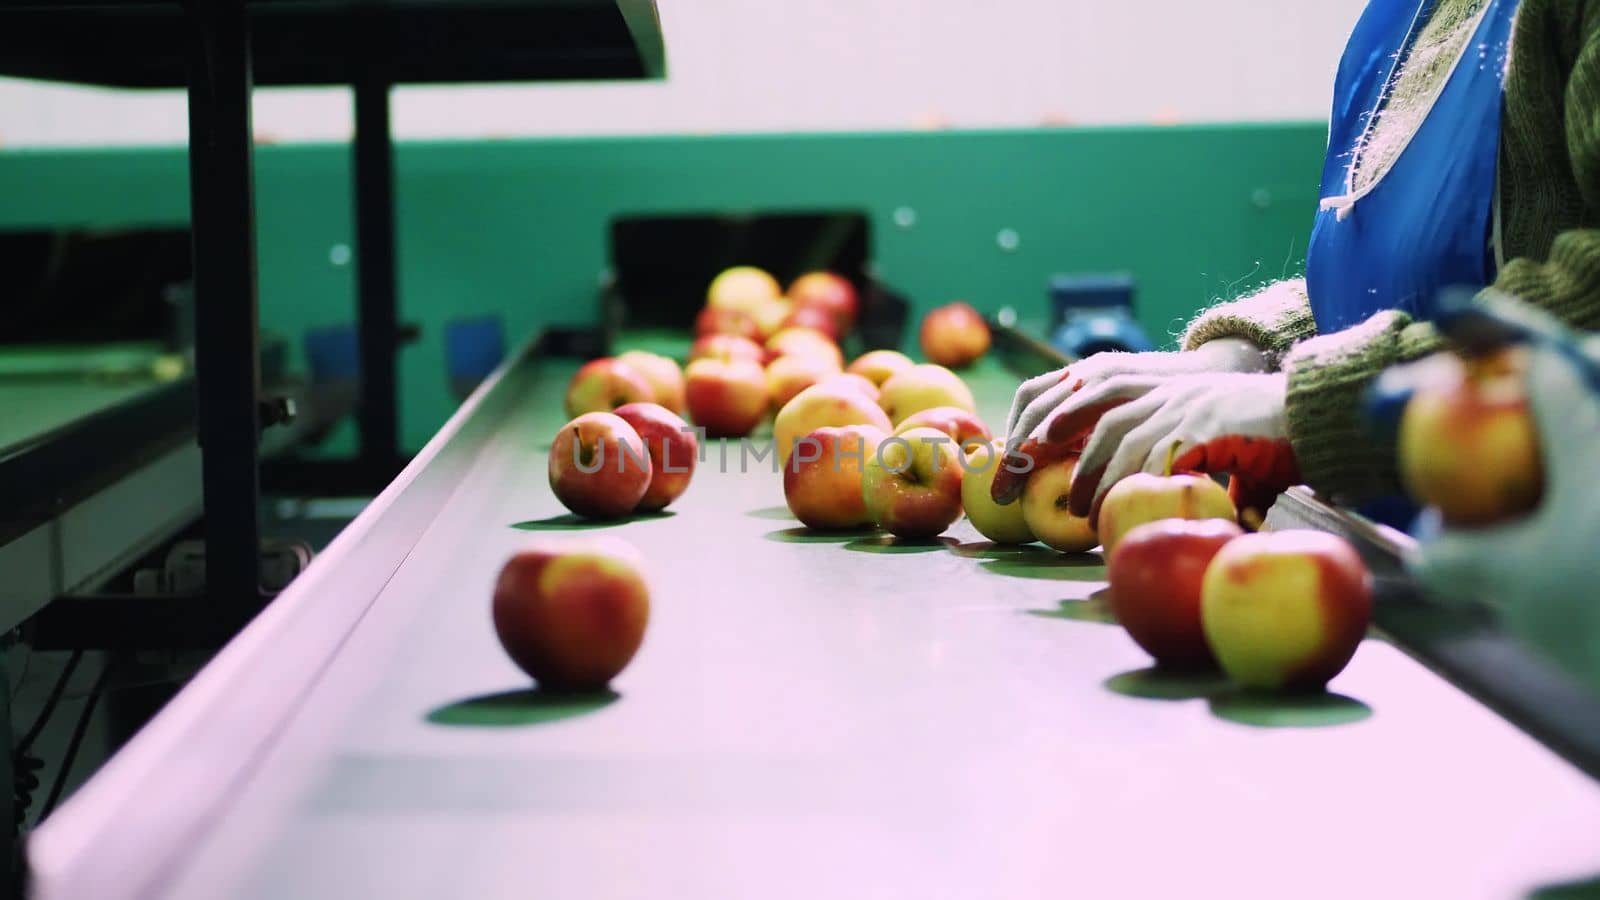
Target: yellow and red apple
[(1000, 524), (673, 450), (921, 387), (822, 405), (726, 347), (1468, 444), (742, 288), (1046, 511), (602, 385), (823, 481), (912, 484), (1143, 497), (954, 335), (789, 375), (829, 293), (599, 467), (805, 342), (963, 426), (572, 614), (728, 398), (662, 373), (877, 365), (1285, 610)]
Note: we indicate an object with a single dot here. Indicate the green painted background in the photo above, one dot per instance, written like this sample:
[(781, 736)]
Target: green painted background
[(520, 227)]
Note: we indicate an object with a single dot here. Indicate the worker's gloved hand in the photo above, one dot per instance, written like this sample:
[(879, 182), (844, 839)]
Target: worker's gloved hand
[(1052, 414), (1213, 423), (1539, 572)]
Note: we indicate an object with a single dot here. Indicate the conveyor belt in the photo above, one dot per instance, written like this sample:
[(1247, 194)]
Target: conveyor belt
[(807, 718)]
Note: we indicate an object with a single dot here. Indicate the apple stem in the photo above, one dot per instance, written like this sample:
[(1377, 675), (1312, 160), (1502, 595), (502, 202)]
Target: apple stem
[(1172, 454)]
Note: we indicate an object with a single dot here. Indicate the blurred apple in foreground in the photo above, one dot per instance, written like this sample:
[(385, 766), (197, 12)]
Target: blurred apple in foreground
[(921, 387), (1285, 610), (823, 482), (672, 447), (599, 467), (1000, 524), (877, 365), (726, 398), (829, 293), (954, 335), (602, 385), (912, 484), (1468, 444), (1044, 508), (572, 614), (834, 404), (1156, 576), (663, 374), (743, 288), (1143, 497)]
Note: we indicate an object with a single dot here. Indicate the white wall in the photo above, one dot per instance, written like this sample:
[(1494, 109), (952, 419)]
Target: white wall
[(765, 65)]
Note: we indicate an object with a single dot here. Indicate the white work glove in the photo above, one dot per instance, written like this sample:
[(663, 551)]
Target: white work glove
[(1051, 413), (1539, 572), (1215, 423)]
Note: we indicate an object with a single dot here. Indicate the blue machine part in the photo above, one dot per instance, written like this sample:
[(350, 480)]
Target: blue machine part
[(333, 353), (1094, 313), (473, 347)]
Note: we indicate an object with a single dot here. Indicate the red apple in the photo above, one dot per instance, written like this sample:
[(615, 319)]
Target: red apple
[(663, 375), (877, 365), (602, 385), (822, 484), (1468, 444), (572, 614), (954, 335), (1143, 497), (1285, 610), (912, 484), (828, 292), (715, 320), (673, 449), (964, 427), (726, 347), (727, 398), (599, 467), (1045, 508), (1155, 578)]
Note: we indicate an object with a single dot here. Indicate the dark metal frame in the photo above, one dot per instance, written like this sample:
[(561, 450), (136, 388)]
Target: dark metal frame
[(134, 845)]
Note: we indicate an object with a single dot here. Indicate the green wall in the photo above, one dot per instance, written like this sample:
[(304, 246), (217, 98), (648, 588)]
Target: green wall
[(519, 227)]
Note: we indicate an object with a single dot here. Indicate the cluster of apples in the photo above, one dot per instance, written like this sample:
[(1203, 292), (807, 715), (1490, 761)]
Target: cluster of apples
[(1281, 610), (878, 445), (756, 347)]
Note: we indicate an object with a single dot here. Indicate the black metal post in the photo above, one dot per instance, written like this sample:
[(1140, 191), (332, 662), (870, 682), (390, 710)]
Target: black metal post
[(228, 371), (375, 272)]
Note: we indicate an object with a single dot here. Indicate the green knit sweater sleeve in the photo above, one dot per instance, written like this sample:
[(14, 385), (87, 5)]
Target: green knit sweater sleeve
[(1328, 375), (1273, 318)]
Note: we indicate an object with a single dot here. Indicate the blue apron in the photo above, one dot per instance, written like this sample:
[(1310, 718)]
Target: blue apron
[(1429, 222)]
